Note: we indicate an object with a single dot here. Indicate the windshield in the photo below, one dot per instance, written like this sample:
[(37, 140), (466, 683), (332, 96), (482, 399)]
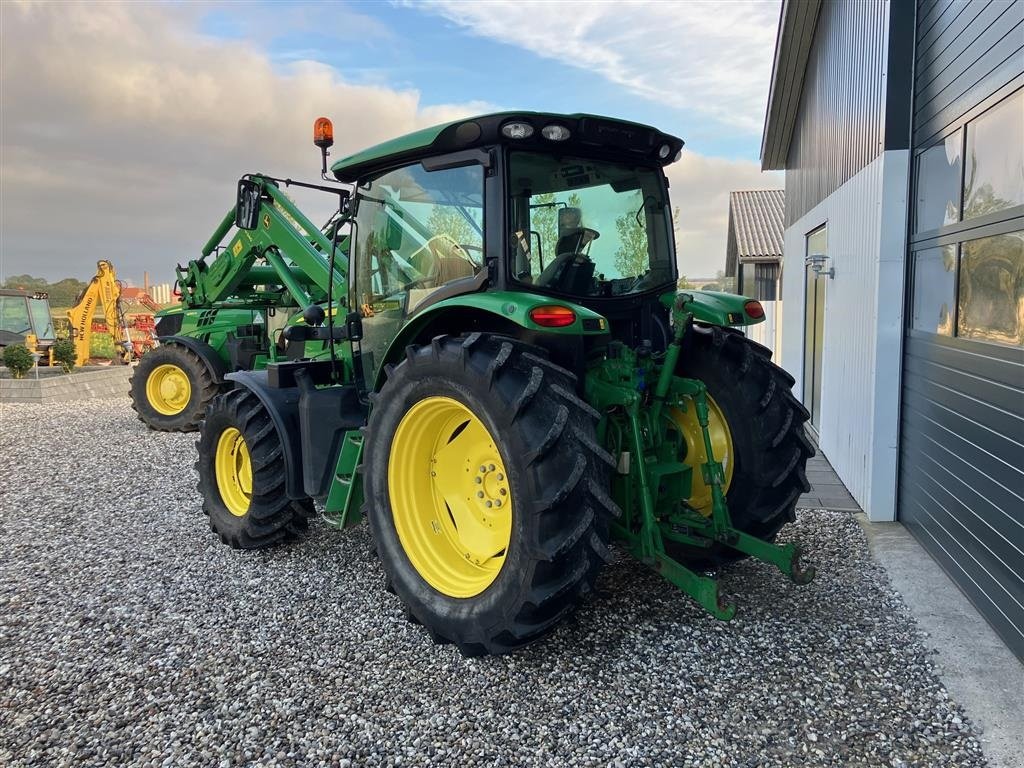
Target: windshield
[(14, 316), (41, 319), (588, 227)]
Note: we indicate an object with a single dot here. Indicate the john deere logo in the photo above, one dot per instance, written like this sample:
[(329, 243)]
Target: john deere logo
[(266, 221)]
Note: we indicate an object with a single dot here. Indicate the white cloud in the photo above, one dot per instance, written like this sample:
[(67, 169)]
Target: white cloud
[(123, 131), (699, 187), (713, 58)]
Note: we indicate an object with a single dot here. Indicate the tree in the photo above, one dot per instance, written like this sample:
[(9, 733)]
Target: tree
[(632, 257), (447, 220), (26, 282)]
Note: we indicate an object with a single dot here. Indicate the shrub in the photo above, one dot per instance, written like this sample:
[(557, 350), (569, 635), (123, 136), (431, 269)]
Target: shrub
[(18, 360), (65, 355)]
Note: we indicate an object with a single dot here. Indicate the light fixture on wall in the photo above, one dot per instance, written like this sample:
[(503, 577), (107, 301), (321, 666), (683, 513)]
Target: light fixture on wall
[(816, 261)]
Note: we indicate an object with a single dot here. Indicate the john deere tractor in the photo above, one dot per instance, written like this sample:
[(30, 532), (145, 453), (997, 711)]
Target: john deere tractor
[(513, 382)]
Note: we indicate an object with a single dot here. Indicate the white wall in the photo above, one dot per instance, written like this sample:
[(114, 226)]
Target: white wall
[(769, 333), (867, 219)]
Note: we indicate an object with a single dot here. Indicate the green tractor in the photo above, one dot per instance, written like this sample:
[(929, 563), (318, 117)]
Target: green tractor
[(513, 382), (234, 309)]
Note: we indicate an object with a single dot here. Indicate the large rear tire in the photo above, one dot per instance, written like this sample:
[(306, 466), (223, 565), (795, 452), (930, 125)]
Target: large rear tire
[(171, 388), (486, 491), (242, 475), (766, 427)]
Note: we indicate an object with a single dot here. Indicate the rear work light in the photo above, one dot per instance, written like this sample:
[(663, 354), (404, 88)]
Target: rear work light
[(754, 309), (553, 316)]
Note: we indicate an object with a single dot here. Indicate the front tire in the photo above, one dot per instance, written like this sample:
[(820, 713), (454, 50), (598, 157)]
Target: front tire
[(242, 475), (171, 388), (466, 421)]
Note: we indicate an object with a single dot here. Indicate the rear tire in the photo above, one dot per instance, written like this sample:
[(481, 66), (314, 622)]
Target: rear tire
[(171, 389), (557, 483), (766, 421), (246, 502)]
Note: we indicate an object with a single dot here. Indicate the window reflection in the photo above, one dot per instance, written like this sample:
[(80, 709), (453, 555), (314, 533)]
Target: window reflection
[(994, 176), (938, 184), (991, 292), (935, 289)]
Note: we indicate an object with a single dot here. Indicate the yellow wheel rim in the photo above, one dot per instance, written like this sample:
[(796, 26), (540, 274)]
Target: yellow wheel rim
[(450, 497), (693, 438), (234, 471), (168, 389)]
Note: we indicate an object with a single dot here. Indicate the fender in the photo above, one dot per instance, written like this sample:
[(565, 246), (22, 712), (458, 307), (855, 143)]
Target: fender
[(505, 308), (283, 406), (214, 363), (715, 307)]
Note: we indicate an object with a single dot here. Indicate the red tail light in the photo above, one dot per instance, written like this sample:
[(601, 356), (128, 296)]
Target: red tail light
[(553, 316), (754, 309)]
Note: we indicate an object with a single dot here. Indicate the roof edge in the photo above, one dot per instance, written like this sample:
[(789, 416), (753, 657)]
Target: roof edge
[(798, 20)]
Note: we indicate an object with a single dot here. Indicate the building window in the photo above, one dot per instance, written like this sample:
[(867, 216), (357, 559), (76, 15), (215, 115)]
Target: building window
[(991, 289), (766, 278), (994, 172), (938, 184), (935, 289)]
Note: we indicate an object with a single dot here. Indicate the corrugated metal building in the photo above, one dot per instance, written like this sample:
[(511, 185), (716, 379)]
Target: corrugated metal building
[(900, 126)]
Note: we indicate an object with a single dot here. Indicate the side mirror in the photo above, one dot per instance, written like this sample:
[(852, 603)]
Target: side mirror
[(247, 208)]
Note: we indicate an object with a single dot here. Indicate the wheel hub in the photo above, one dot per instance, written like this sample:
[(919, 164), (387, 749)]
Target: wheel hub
[(450, 497), (233, 468), (168, 389), (693, 440)]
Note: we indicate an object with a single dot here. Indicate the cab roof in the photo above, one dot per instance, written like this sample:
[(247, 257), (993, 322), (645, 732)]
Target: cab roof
[(592, 134)]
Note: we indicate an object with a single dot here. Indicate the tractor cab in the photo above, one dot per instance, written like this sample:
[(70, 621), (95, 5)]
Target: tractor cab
[(572, 207), (25, 319)]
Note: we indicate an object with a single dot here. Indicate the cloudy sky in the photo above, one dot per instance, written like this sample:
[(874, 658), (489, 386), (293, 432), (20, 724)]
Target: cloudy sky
[(123, 128)]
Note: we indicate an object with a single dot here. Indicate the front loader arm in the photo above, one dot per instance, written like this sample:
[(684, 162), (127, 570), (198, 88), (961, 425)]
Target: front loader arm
[(294, 248)]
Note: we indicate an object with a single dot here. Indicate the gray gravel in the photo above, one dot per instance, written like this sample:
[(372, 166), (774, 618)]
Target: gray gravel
[(130, 635)]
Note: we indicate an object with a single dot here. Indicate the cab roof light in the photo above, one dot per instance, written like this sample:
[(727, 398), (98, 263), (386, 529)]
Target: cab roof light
[(517, 129), (555, 132), (552, 316)]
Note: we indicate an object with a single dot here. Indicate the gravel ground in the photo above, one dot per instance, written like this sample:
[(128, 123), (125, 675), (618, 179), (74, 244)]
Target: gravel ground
[(130, 635)]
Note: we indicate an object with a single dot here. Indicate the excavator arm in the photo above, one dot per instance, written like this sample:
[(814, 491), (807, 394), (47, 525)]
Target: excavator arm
[(104, 290)]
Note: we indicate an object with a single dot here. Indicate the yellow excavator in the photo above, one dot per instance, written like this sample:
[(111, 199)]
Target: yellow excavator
[(106, 290)]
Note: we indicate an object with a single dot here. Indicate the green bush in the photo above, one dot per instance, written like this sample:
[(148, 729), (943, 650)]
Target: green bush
[(64, 354), (18, 360)]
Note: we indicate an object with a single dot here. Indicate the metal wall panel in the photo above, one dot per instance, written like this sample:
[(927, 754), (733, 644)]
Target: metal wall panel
[(962, 469), (961, 465), (974, 49), (840, 124)]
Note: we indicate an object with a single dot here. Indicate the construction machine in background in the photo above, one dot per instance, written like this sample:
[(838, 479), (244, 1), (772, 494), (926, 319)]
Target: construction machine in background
[(500, 375), (25, 318), (103, 291)]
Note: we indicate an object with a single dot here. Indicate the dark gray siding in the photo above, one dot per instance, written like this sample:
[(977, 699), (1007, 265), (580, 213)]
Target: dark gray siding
[(961, 486), (967, 51), (840, 124), (962, 469)]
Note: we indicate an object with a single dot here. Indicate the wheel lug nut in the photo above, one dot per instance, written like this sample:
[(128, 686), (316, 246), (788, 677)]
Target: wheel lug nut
[(490, 468), (503, 492), (479, 494), (489, 505), (482, 469), (497, 503), (501, 476), (479, 479)]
